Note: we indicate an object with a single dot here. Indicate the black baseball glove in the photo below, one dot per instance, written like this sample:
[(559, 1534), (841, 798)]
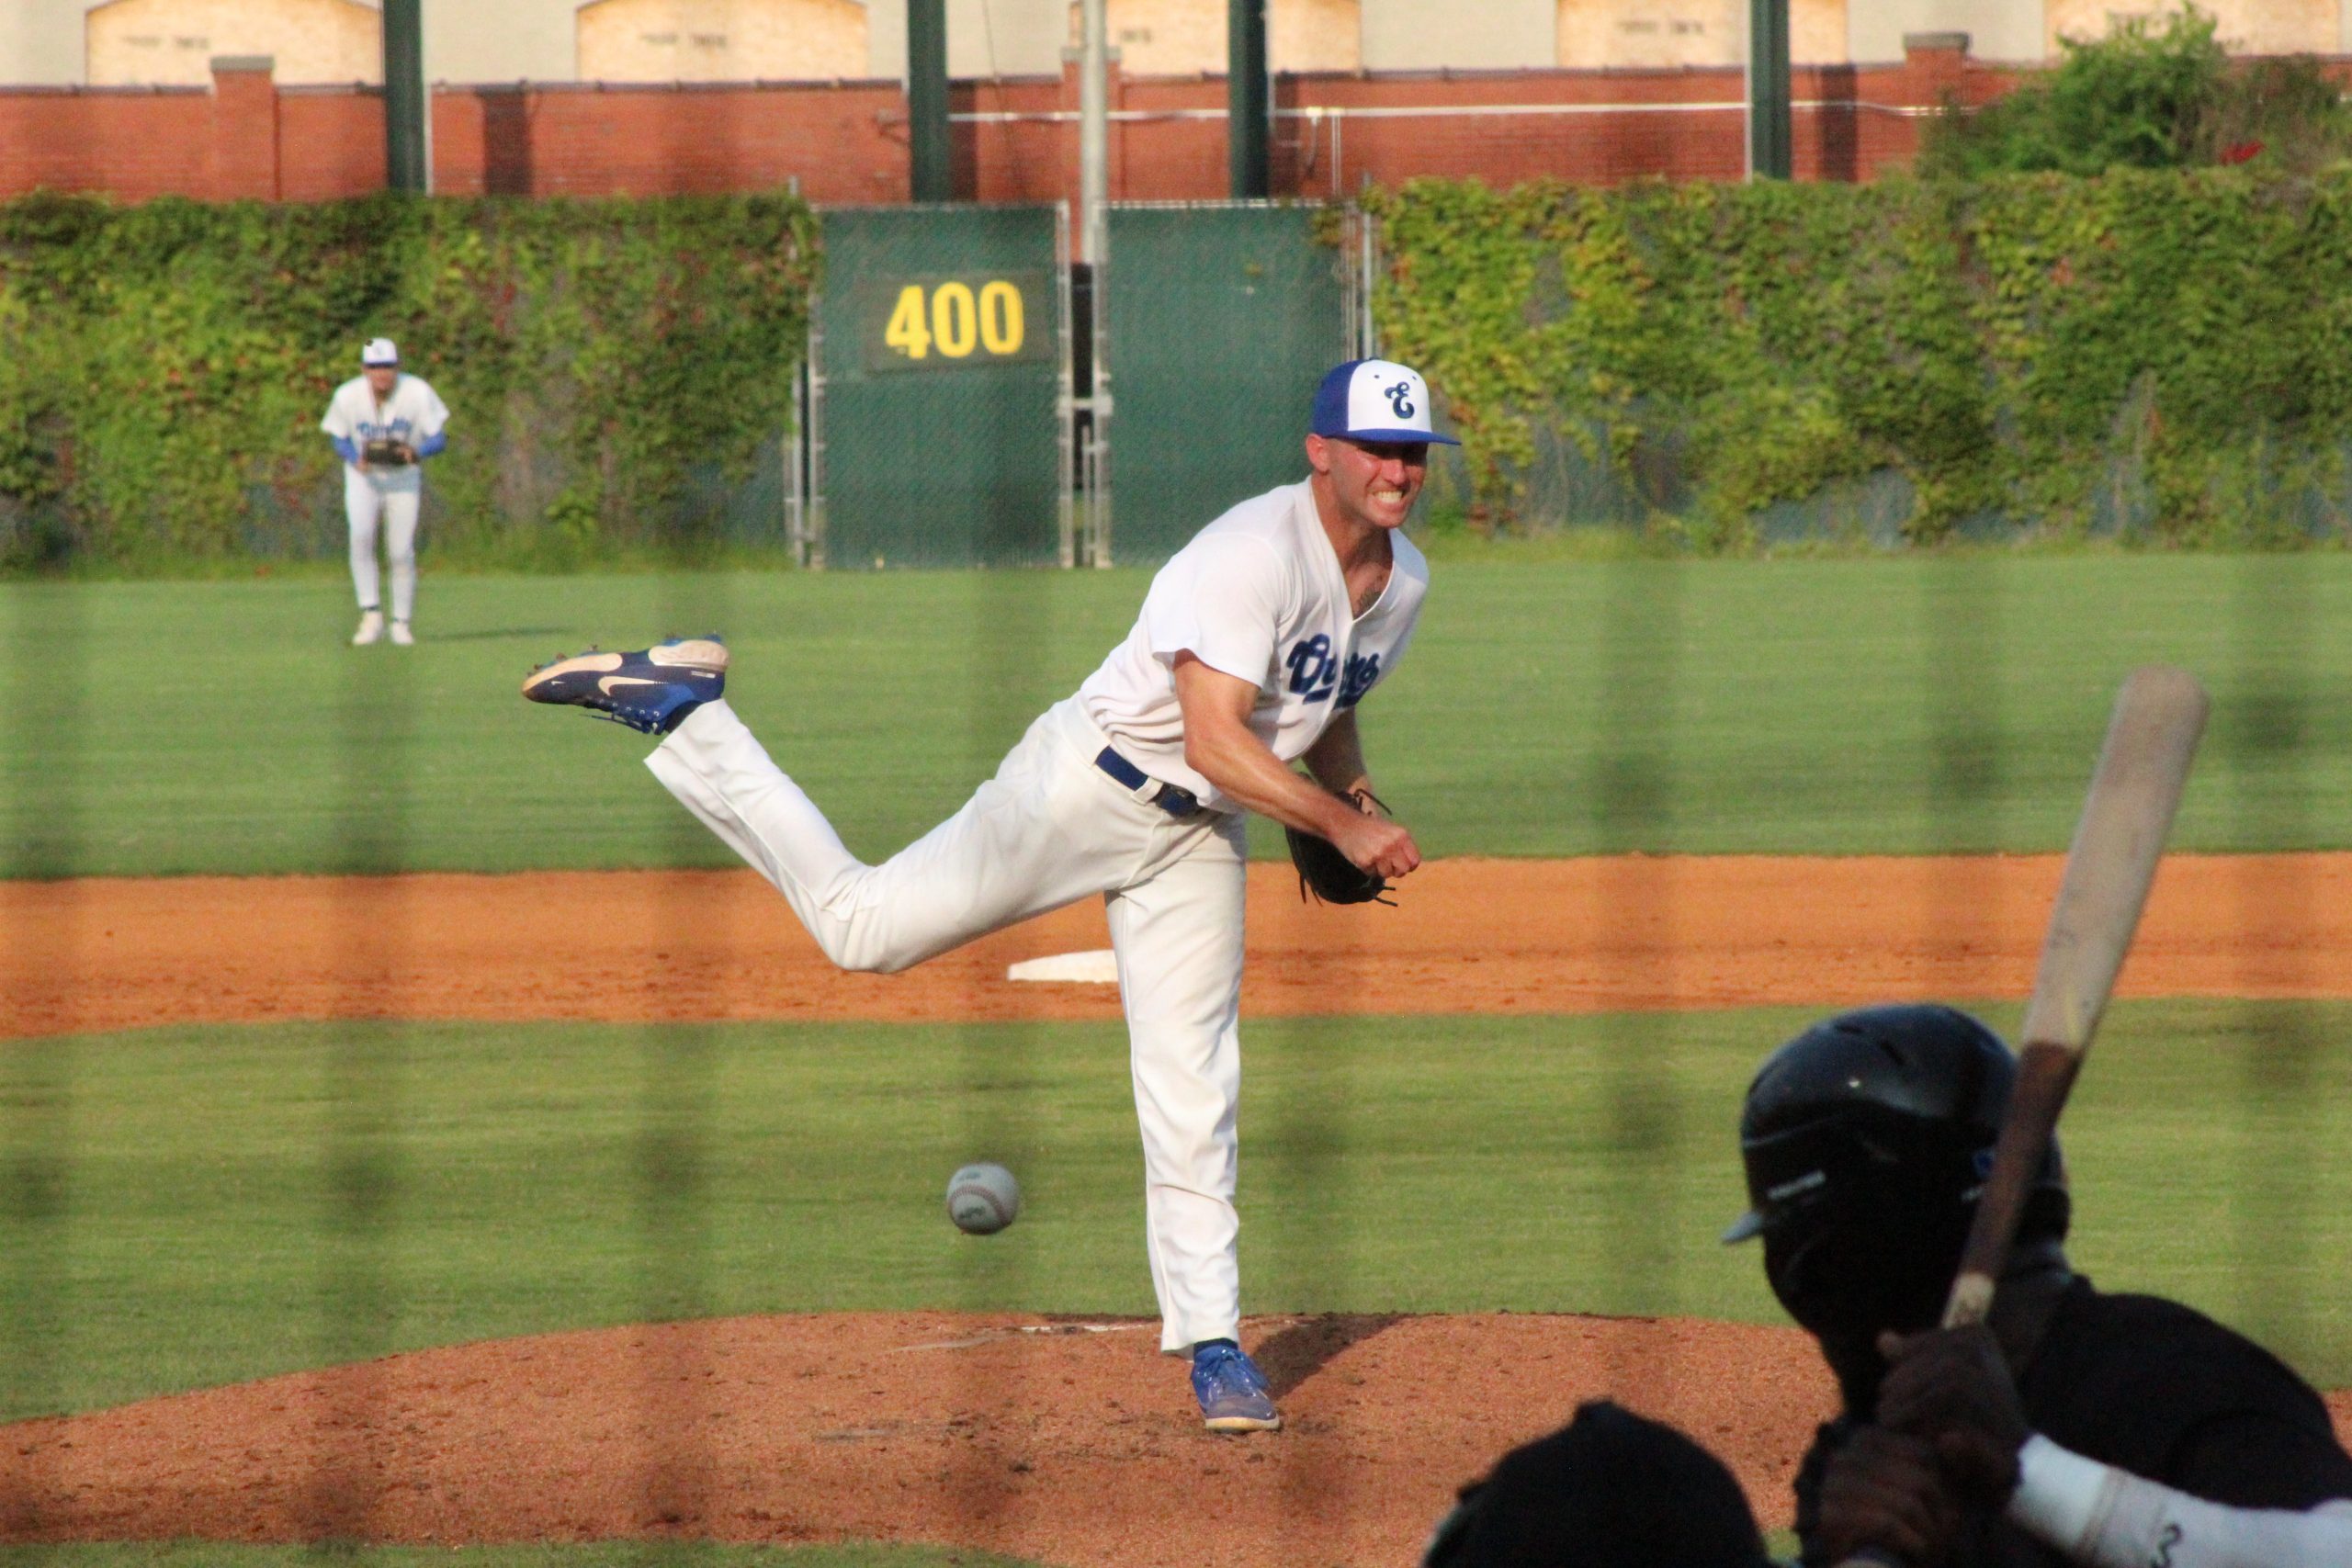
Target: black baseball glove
[(1331, 876), (384, 453)]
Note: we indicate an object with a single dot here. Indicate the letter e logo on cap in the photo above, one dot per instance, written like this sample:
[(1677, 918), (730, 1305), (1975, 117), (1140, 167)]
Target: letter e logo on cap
[(1376, 400)]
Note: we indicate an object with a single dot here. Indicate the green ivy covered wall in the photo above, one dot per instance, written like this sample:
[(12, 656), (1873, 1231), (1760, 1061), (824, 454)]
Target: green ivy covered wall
[(163, 366), (2162, 355)]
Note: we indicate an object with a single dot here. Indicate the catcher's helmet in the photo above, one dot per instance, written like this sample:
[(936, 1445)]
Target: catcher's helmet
[(1867, 1139)]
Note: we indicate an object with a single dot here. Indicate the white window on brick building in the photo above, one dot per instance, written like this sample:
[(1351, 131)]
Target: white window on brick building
[(1187, 37), (170, 43), (1599, 35), (720, 40)]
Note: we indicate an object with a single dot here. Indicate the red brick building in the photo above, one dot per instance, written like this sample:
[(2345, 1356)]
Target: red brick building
[(1016, 139)]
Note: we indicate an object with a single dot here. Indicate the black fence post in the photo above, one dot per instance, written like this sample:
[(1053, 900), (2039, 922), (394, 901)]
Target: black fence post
[(1247, 116), (1769, 138), (927, 100), (408, 140)]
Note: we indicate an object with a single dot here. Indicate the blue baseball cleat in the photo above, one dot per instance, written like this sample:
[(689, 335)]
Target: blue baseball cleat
[(1231, 1390), (650, 691)]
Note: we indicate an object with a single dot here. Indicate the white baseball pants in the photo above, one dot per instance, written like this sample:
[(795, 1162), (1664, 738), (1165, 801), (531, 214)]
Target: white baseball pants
[(1049, 829), (391, 494)]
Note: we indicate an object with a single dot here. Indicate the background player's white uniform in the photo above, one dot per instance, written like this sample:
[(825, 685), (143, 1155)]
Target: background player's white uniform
[(1257, 594), (412, 414)]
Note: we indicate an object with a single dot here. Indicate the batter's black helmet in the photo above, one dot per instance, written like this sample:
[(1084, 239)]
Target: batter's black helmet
[(1866, 1139)]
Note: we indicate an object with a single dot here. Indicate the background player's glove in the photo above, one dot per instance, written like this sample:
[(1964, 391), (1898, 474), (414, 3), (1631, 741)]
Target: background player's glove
[(382, 454), (1330, 875)]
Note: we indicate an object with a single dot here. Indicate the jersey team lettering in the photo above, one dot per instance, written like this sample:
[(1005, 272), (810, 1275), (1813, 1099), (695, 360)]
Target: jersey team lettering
[(1314, 674)]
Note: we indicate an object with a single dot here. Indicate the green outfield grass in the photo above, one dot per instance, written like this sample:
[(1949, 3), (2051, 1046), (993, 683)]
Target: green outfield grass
[(192, 1207), (1549, 707)]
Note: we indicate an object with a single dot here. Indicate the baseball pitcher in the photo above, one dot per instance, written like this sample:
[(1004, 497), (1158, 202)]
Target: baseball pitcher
[(384, 424), (1257, 644)]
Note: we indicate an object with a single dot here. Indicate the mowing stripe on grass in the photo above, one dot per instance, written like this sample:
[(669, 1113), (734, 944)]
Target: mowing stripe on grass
[(1825, 706), (1481, 1163)]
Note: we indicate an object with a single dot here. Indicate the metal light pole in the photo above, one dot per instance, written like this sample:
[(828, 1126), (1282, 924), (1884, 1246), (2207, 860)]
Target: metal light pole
[(1093, 372), (408, 133), (1094, 129)]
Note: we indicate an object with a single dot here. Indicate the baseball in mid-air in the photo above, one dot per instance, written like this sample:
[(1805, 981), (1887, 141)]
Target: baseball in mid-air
[(982, 1198)]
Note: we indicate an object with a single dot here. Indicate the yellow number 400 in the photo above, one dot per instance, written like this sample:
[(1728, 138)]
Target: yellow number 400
[(948, 319)]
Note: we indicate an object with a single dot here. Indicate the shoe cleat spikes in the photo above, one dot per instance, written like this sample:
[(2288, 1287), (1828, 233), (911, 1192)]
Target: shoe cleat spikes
[(632, 689)]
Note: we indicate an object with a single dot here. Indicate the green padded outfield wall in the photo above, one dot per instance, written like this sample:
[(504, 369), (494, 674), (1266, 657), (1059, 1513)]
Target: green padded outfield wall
[(1221, 321), (942, 355)]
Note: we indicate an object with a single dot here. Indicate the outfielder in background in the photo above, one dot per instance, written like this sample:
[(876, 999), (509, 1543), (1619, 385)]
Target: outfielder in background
[(2075, 1427), (1257, 642), (384, 424)]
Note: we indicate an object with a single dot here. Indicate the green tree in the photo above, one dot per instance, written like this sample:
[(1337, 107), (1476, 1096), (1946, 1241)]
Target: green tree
[(2155, 92)]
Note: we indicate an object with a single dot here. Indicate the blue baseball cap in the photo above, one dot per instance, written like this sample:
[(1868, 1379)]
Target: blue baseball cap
[(1376, 400)]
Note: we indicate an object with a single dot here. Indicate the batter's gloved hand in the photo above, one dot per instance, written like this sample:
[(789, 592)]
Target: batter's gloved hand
[(1953, 1387), (1327, 872), (1885, 1492)]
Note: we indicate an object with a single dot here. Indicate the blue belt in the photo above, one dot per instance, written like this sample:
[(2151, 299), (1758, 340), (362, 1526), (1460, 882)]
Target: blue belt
[(1175, 801)]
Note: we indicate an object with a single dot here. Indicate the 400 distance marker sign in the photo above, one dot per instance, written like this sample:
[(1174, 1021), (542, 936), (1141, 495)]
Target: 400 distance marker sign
[(957, 321)]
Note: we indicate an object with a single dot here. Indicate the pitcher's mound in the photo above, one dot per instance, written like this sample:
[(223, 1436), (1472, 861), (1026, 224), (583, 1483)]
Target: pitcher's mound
[(1065, 1441)]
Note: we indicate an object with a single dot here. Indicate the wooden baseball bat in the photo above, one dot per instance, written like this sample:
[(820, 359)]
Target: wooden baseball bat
[(2127, 815), (2135, 790)]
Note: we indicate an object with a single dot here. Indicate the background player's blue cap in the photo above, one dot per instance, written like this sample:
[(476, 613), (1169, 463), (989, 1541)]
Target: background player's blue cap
[(1376, 400)]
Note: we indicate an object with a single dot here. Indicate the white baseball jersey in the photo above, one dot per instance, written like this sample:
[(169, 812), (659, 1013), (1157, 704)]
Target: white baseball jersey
[(1257, 594), (413, 414)]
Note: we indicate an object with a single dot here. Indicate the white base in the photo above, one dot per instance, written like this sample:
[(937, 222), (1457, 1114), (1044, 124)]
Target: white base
[(1100, 967)]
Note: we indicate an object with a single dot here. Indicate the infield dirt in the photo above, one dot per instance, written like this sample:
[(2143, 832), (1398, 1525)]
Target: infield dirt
[(1065, 1441), (1470, 936)]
